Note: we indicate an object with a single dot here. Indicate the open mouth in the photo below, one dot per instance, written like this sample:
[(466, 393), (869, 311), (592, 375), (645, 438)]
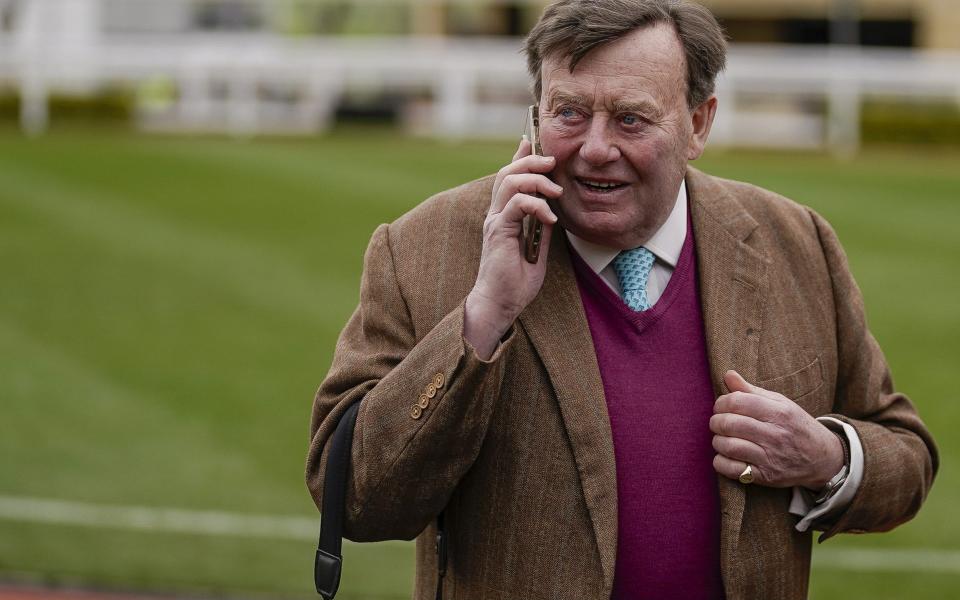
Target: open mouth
[(600, 186)]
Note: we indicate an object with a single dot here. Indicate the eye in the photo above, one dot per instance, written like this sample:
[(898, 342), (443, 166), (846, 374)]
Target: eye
[(631, 120), (567, 113)]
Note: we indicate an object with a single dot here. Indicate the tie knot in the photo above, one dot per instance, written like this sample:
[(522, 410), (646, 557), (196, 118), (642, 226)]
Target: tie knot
[(633, 269)]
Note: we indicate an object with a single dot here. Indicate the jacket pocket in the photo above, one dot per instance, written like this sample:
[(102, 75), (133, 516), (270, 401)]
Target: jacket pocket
[(797, 384)]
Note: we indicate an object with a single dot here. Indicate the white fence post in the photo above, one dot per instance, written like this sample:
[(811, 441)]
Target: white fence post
[(723, 127), (242, 113), (455, 104), (844, 102), (34, 109)]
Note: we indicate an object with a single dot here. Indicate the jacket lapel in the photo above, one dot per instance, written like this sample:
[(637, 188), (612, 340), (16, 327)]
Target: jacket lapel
[(557, 326), (732, 278)]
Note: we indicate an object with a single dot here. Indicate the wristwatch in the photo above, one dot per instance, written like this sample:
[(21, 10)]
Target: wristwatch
[(840, 478)]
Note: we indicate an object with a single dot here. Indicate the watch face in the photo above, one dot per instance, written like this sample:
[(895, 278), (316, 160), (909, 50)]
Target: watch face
[(832, 486)]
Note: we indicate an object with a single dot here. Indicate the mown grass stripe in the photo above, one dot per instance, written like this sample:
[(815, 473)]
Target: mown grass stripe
[(927, 560), (221, 523), (160, 519), (253, 272)]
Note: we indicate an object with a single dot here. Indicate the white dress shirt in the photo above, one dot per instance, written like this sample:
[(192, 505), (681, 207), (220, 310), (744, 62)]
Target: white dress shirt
[(666, 245)]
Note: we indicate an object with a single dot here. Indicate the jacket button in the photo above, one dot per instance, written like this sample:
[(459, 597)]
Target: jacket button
[(415, 412), (439, 380), (431, 390), (423, 401)]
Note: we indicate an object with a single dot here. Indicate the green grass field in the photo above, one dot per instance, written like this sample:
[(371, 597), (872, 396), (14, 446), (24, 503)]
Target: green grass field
[(169, 305)]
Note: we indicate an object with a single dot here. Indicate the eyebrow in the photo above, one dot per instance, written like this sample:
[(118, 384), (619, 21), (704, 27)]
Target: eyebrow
[(642, 107), (566, 98), (621, 106)]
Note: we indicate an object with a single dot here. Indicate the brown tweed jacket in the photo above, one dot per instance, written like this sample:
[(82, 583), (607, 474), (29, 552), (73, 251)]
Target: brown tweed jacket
[(518, 449)]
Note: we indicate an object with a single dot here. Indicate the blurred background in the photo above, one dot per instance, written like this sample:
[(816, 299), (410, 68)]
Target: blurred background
[(186, 191)]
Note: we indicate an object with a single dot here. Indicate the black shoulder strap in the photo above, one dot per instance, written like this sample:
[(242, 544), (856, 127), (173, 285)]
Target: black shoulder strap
[(329, 560), (326, 568)]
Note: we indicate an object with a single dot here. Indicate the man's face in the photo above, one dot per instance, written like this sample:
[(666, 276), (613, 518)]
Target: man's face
[(621, 132)]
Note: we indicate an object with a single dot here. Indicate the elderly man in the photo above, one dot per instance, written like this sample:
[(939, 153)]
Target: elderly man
[(667, 402)]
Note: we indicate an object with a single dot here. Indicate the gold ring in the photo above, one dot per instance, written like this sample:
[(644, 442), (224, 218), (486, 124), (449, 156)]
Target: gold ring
[(747, 475)]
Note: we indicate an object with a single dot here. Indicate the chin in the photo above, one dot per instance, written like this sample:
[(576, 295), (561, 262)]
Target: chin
[(606, 231)]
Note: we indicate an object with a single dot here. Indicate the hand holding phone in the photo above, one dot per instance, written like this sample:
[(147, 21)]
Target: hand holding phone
[(520, 218)]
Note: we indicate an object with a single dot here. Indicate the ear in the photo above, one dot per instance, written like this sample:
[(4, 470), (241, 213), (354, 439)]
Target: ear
[(702, 119)]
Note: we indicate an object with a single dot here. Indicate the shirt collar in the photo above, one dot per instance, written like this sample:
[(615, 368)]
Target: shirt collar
[(665, 244)]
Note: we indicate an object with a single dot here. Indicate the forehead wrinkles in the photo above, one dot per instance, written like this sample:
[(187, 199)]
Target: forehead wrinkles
[(600, 92), (652, 57)]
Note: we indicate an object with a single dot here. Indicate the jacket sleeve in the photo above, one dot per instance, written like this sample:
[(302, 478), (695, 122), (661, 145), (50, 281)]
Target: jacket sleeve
[(900, 457), (404, 464)]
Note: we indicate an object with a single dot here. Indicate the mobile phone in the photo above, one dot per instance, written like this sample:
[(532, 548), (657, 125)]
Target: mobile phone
[(532, 227)]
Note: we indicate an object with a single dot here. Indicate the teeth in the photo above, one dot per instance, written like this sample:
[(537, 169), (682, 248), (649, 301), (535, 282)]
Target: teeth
[(601, 184)]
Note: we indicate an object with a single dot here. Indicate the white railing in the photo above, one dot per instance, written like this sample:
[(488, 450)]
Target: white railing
[(246, 84)]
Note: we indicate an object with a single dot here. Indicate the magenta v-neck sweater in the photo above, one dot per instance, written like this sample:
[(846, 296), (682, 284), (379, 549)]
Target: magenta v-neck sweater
[(657, 386)]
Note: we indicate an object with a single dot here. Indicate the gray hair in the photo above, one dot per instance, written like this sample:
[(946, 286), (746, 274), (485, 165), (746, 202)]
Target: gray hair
[(572, 28)]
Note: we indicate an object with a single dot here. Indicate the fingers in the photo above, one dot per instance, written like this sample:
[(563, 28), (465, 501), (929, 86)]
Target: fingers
[(523, 150), (736, 383), (521, 205), (739, 426), (740, 440), (731, 468), (738, 449), (525, 174), (525, 181), (528, 163), (758, 407)]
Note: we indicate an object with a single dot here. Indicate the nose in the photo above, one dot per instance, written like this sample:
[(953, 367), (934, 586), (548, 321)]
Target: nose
[(599, 147)]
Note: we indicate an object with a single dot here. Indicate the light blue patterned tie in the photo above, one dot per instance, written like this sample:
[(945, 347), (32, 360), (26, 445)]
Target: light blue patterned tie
[(633, 269)]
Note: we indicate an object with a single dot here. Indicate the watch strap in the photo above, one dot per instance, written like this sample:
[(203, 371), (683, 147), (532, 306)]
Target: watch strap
[(837, 481)]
